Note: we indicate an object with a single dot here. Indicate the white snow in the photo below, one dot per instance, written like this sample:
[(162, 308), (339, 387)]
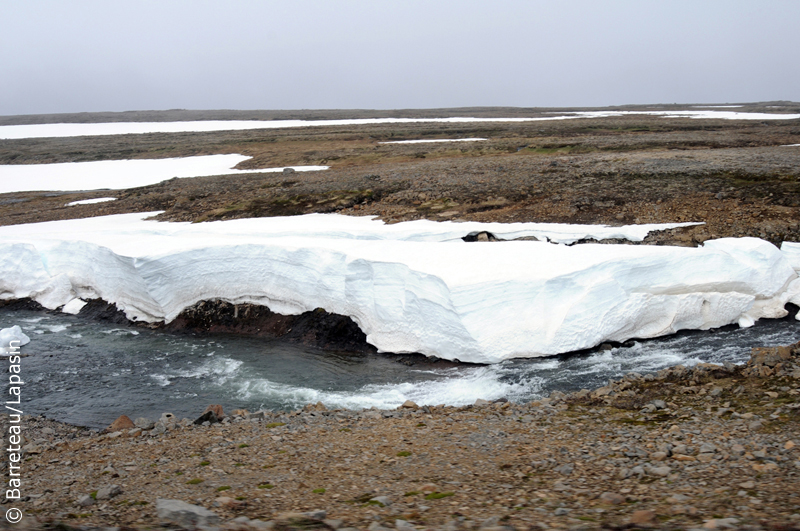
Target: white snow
[(74, 306), (120, 174), (91, 201), (411, 287), (791, 145), (791, 250), (7, 335), (711, 115), (10, 132), (434, 141)]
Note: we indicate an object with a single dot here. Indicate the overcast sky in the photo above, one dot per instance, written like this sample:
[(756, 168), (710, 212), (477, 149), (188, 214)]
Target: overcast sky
[(74, 55)]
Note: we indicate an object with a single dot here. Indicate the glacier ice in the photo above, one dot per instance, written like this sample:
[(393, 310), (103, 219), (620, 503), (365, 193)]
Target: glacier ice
[(411, 287)]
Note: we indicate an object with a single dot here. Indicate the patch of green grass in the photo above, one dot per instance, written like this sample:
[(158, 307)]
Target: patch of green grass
[(345, 429), (374, 503), (268, 466), (140, 502), (412, 493), (224, 487), (93, 494), (439, 495), (274, 425), (265, 486), (404, 453), (179, 473), (318, 491), (194, 481), (587, 519), (421, 425), (244, 445), (105, 472), (205, 463), (238, 464), (240, 498)]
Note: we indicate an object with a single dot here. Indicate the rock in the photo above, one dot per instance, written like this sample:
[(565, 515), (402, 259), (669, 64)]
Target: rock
[(707, 448), (480, 236), (384, 500), (481, 402), (158, 429), (565, 469), (240, 413), (85, 501), (721, 523), (402, 525), (561, 511), (429, 487), (144, 423), (661, 471), (106, 493), (225, 501), (217, 409), (769, 356), (375, 526), (122, 423), (789, 445), (288, 170), (209, 416), (319, 514), (408, 404), (642, 517), (185, 515), (612, 498), (31, 449), (660, 404), (658, 456)]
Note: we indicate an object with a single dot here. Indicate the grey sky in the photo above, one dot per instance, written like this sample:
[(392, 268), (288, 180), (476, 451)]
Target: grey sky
[(72, 55)]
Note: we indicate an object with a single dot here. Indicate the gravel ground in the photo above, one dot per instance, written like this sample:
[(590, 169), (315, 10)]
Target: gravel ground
[(705, 447)]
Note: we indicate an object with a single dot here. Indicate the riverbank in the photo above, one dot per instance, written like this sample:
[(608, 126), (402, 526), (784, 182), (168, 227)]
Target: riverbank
[(710, 446)]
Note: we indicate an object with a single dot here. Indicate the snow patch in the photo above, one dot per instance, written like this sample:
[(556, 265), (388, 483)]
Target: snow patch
[(7, 335), (121, 174), (61, 130), (434, 141), (411, 287), (90, 201), (73, 307)]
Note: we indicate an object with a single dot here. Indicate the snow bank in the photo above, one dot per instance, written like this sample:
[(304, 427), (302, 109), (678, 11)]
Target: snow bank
[(120, 174), (408, 291), (7, 335), (91, 201), (10, 132), (434, 141), (791, 250)]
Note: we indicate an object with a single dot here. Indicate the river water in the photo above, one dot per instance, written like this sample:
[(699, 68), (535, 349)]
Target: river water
[(88, 373)]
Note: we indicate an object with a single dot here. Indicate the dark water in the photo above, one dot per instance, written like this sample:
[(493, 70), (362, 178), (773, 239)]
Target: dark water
[(89, 373)]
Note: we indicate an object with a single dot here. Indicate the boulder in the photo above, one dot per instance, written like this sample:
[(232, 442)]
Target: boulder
[(185, 515), (217, 409), (122, 423), (208, 416), (106, 493)]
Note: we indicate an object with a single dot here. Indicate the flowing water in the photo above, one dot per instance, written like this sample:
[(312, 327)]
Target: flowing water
[(88, 373)]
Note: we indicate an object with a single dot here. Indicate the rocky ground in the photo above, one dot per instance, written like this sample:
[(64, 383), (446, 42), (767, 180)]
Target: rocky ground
[(739, 177), (711, 447)]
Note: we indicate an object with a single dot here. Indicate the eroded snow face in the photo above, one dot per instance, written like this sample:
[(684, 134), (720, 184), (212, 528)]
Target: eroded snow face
[(121, 174), (411, 287), (124, 128)]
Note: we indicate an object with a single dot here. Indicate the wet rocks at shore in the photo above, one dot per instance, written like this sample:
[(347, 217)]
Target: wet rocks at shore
[(709, 446)]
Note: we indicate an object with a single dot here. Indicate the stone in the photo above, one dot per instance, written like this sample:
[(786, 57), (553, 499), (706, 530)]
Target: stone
[(429, 487), (384, 500), (658, 456), (707, 448), (481, 402), (85, 501), (184, 514), (158, 429), (375, 526), (408, 404), (789, 445), (660, 471), (660, 404), (561, 511), (144, 423), (565, 469), (217, 409), (612, 498), (240, 413), (122, 423), (167, 418), (106, 493), (642, 517), (207, 418), (402, 525)]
